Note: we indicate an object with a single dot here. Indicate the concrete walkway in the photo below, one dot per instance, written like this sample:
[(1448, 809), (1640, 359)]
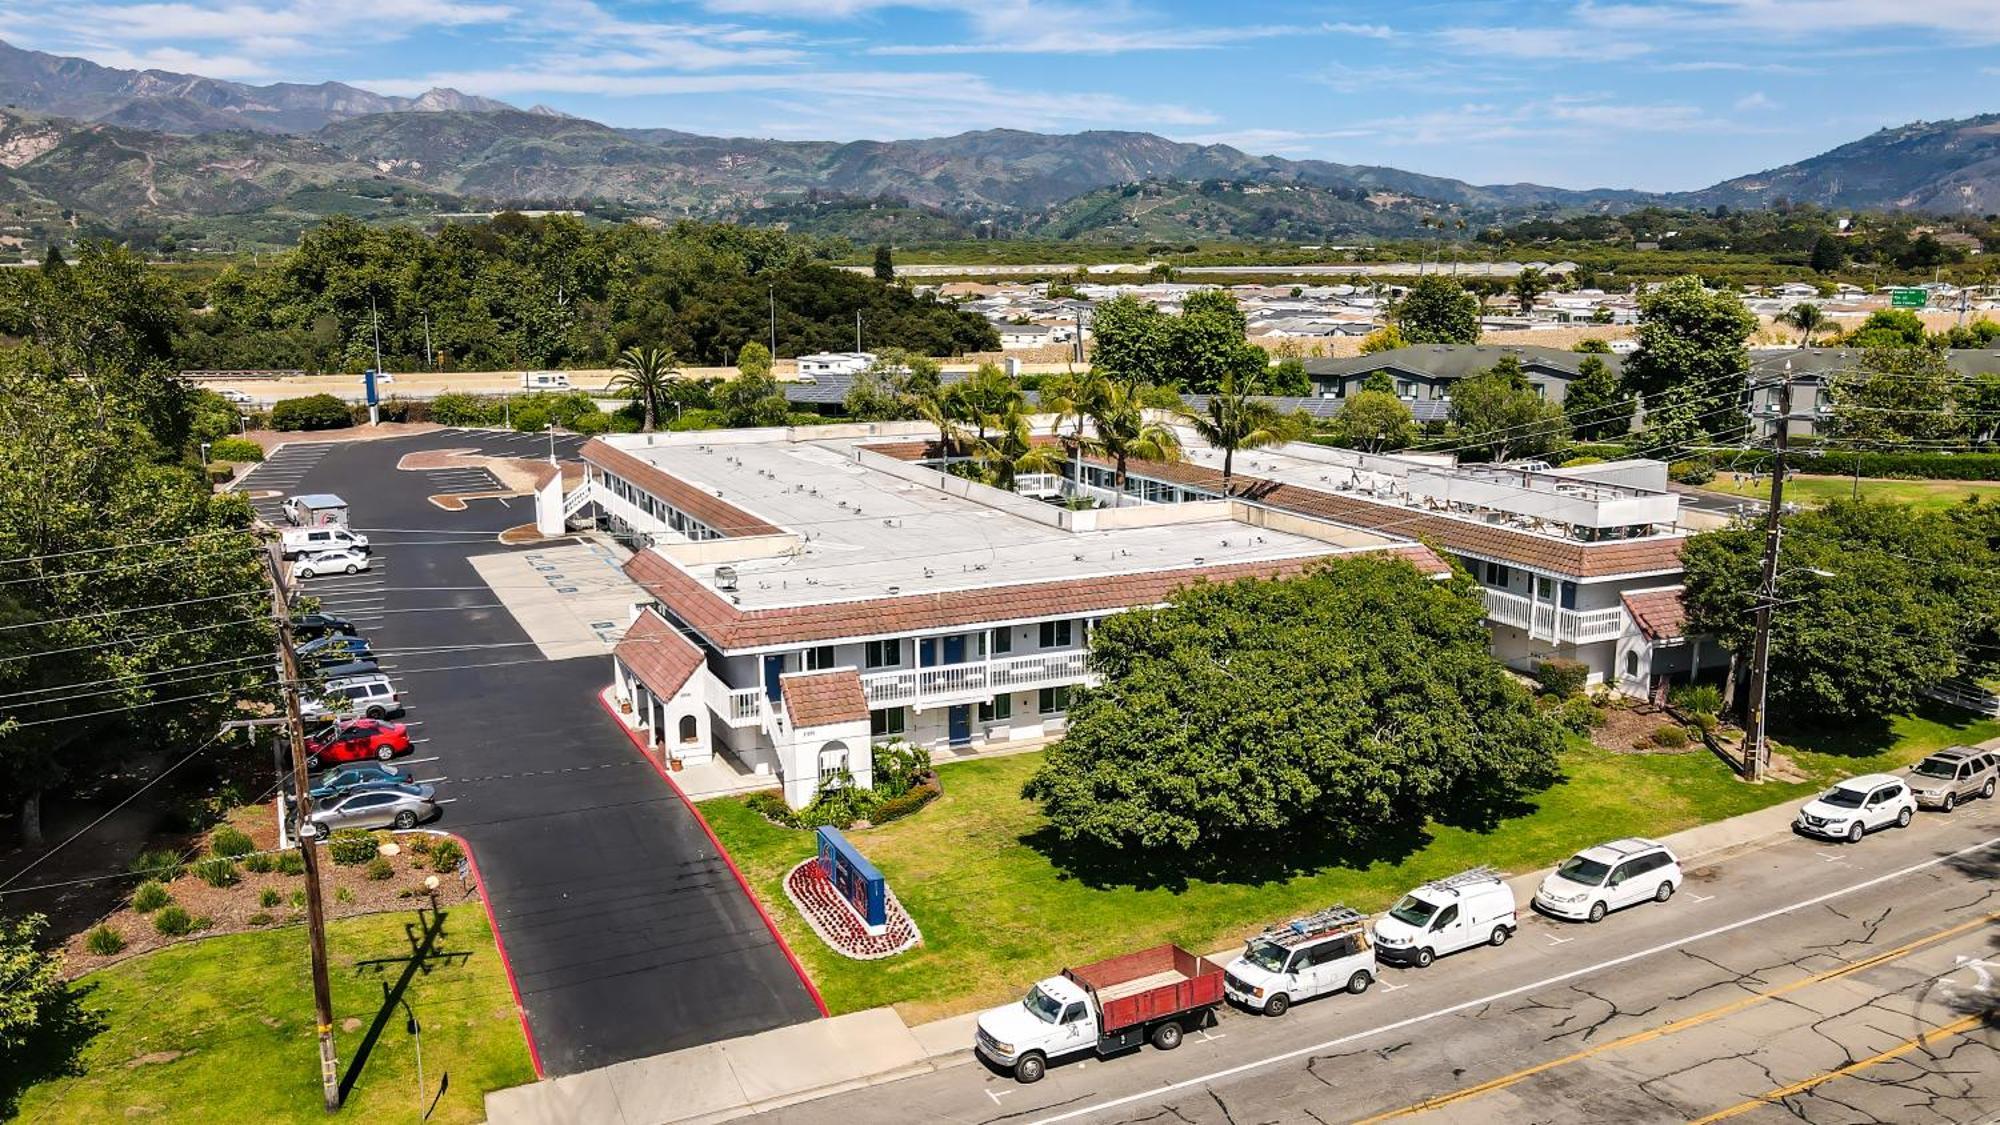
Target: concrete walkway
[(739, 1077)]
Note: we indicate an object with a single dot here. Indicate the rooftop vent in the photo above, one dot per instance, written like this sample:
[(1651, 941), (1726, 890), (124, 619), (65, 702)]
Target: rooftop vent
[(725, 578)]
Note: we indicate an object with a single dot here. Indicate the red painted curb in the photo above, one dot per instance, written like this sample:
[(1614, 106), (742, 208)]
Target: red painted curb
[(514, 986), (811, 989)]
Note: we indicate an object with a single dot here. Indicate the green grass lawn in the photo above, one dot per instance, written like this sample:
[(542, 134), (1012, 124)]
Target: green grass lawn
[(1816, 490), (997, 910), (221, 1030)]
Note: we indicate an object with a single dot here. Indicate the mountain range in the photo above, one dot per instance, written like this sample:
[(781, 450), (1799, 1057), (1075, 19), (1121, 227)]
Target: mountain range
[(120, 147)]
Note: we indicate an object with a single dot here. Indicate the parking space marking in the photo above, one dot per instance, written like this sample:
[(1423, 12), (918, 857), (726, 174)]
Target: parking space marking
[(1389, 986), (996, 1095), (1699, 898), (1554, 940)]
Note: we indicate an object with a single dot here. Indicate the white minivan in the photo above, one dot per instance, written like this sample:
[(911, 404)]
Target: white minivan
[(1622, 873), (1306, 957), (1471, 908)]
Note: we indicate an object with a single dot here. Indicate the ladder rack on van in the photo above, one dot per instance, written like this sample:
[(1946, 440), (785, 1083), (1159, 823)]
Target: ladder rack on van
[(1313, 925), (1480, 874)]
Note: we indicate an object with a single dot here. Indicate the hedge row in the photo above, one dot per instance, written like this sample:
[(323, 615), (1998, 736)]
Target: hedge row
[(1837, 462)]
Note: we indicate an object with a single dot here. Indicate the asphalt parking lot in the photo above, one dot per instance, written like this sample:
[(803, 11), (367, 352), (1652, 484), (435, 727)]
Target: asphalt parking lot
[(625, 930)]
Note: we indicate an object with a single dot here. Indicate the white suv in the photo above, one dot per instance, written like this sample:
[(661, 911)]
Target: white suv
[(1307, 957), (1596, 881), (1858, 806)]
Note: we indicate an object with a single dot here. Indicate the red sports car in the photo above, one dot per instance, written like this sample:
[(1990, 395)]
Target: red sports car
[(356, 740)]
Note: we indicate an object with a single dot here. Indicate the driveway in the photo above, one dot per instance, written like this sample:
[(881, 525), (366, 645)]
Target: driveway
[(627, 932)]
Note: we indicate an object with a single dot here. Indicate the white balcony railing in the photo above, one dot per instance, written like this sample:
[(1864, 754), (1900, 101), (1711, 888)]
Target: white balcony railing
[(577, 498), (1548, 622), (964, 683), (741, 707)]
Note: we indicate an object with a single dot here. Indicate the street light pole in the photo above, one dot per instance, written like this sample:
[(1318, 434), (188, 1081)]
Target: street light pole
[(1756, 748), (773, 290)]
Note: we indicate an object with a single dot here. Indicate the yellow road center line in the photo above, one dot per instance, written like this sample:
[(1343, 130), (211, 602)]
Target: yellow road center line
[(1682, 1024), (1905, 1047)]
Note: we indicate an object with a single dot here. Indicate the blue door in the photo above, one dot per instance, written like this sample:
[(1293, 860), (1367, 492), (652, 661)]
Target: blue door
[(774, 666), (961, 724), (927, 652), (954, 649)]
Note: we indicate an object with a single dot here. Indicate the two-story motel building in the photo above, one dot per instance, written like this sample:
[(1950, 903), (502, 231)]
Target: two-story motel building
[(815, 590)]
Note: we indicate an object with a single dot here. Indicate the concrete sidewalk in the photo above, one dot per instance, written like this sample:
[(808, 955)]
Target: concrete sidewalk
[(739, 1077)]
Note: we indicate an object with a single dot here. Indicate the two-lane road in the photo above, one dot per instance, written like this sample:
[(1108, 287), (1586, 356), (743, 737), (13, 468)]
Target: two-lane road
[(1797, 981)]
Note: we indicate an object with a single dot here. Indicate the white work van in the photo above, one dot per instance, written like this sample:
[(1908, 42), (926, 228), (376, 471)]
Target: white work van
[(1306, 957), (545, 380), (307, 540), (1471, 908)]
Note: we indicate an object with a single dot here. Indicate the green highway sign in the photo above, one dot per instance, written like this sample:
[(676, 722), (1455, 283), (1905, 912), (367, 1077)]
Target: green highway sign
[(1908, 298)]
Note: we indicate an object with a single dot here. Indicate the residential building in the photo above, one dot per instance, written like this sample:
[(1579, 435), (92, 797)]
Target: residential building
[(835, 363), (1426, 372)]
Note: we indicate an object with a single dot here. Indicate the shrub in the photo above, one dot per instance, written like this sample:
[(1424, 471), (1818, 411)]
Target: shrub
[(839, 804), (297, 899), (465, 410), (218, 472), (230, 841), (342, 894), (235, 449), (1909, 466), (103, 941), (1694, 470), (260, 863), (771, 805), (1697, 698), (1562, 678), (269, 897), (259, 919), (150, 896), (419, 844), (379, 869), (157, 863), (445, 855), (352, 847), (175, 921), (896, 808), (291, 863), (218, 871), (393, 409), (1670, 738), (898, 767), (599, 423), (1576, 713), (313, 412)]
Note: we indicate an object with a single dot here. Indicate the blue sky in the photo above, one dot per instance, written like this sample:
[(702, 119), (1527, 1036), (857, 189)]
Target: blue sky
[(1625, 93)]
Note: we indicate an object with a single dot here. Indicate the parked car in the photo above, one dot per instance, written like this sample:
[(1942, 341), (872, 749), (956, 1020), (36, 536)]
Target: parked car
[(334, 648), (1306, 957), (1954, 774), (1105, 1008), (349, 670), (313, 540), (357, 740), (1858, 806), (342, 561), (1470, 908), (312, 626), (372, 696), (405, 806), (239, 398), (316, 509), (358, 775), (1622, 873)]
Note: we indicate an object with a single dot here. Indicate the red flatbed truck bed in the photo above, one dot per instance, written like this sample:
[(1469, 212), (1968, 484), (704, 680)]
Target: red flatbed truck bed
[(1144, 987)]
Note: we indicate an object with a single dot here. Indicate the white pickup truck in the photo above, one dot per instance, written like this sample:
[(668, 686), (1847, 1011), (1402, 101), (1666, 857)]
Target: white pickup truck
[(1106, 1007)]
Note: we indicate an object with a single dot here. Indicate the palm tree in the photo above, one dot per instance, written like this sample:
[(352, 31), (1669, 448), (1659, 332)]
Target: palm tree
[(646, 373), (1807, 318), (1068, 396), (1121, 431), (941, 407), (1235, 419), (1013, 450)]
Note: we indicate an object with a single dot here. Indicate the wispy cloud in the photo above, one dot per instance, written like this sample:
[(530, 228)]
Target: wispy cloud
[(1960, 21), (1361, 30), (1428, 78), (183, 62), (1700, 66), (1540, 43), (1755, 100), (1060, 40)]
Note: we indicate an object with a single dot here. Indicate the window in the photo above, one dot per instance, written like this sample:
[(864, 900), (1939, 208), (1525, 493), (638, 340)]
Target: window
[(998, 707), (1545, 587), (1056, 634), (883, 654), (1406, 389), (1632, 663), (1497, 574), (1072, 1013), (1446, 917), (832, 761), (1053, 699), (886, 722), (818, 658), (1003, 641), (688, 729)]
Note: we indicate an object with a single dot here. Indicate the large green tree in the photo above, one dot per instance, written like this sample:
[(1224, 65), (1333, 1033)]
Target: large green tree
[(1376, 421), (1233, 419), (1596, 405), (1497, 412), (1356, 700), (1130, 341), (1437, 310), (1896, 395), (1690, 336)]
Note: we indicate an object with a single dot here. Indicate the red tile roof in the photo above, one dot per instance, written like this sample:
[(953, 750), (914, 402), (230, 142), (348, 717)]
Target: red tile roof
[(817, 699), (1502, 544), (731, 628), (727, 519), (1660, 614), (658, 654)]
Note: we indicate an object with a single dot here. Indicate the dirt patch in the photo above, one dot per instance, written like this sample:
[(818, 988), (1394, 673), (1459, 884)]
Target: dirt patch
[(525, 533), (350, 1025), (1629, 729), (241, 907), (153, 1058)]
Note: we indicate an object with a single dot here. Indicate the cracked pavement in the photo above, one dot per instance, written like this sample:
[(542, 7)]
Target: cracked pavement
[(1664, 1012)]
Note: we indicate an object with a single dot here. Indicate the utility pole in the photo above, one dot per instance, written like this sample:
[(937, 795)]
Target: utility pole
[(308, 836), (774, 321), (1756, 749), (430, 356), (857, 330)]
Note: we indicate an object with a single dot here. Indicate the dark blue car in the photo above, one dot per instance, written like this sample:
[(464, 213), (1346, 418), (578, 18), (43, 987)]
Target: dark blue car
[(359, 775)]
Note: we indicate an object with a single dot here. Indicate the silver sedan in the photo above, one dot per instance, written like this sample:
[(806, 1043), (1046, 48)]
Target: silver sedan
[(397, 806)]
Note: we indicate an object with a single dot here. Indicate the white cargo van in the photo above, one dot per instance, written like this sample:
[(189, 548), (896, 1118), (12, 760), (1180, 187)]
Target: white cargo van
[(545, 380), (1471, 908), (306, 540), (1306, 957)]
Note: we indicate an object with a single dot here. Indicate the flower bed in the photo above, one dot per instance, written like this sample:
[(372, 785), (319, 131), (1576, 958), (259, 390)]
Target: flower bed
[(813, 894)]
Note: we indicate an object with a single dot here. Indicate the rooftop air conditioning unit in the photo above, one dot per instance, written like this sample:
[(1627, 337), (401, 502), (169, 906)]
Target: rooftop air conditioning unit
[(725, 578)]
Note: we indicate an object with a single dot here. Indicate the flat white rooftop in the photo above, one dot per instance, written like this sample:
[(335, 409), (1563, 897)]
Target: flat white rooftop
[(869, 533)]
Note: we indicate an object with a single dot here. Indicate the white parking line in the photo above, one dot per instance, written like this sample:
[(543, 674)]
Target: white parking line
[(1389, 986), (1467, 1005), (1700, 898), (1554, 940)]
